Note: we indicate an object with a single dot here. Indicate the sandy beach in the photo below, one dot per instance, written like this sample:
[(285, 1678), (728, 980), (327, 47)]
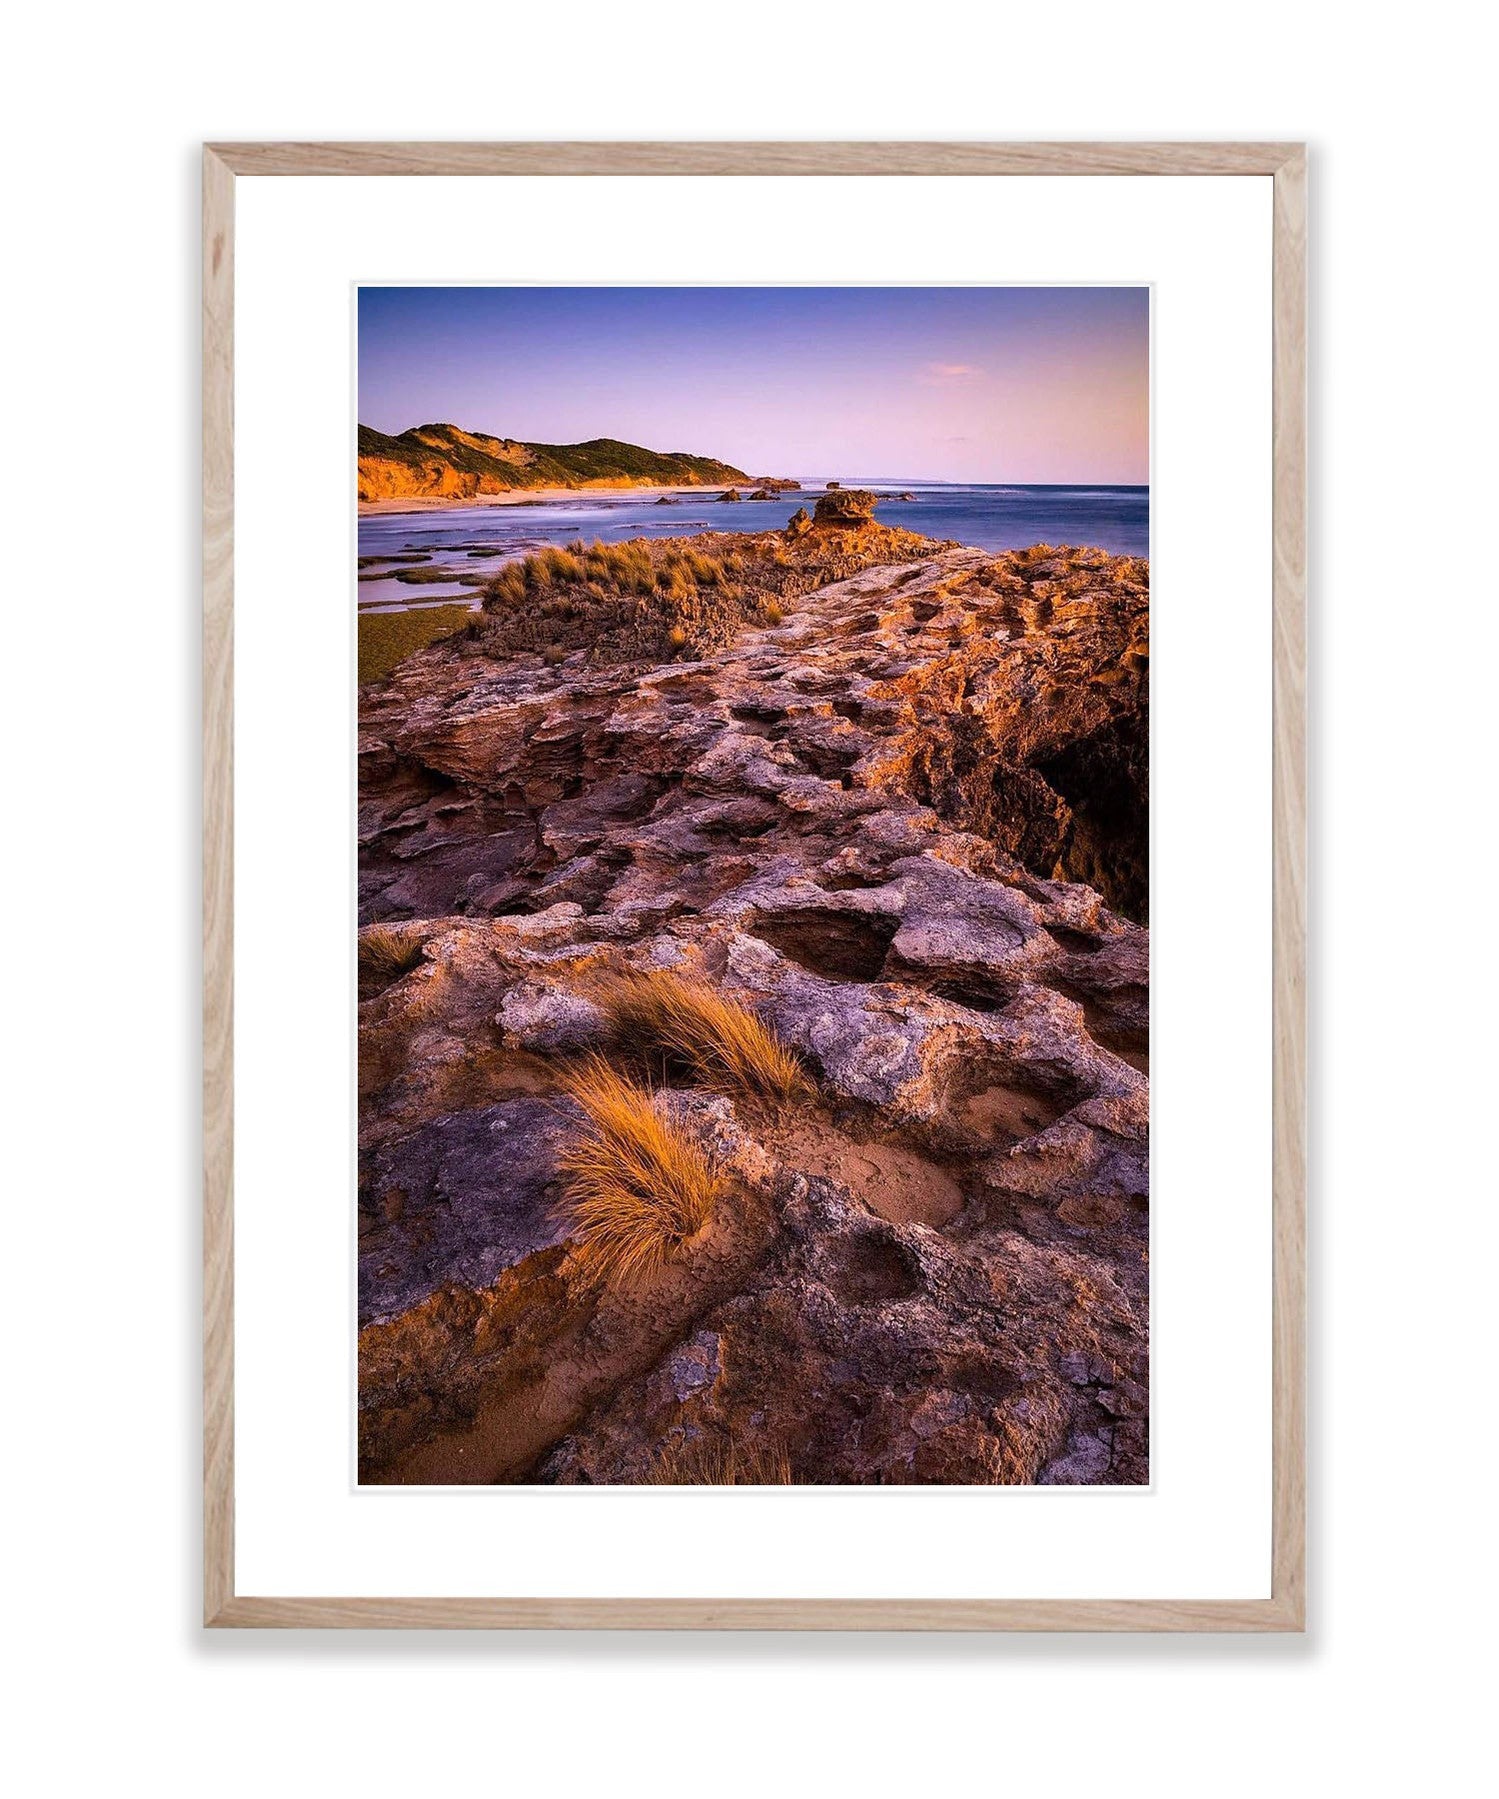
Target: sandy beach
[(528, 496)]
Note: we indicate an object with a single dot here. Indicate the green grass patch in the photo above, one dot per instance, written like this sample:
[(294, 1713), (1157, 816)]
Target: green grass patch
[(387, 638), (424, 577)]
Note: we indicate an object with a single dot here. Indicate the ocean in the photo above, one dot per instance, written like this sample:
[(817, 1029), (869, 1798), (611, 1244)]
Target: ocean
[(476, 540)]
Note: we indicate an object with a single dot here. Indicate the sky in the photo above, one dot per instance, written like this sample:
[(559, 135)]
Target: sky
[(996, 384)]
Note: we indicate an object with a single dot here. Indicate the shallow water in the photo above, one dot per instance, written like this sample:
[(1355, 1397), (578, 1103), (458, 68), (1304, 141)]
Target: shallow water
[(478, 539)]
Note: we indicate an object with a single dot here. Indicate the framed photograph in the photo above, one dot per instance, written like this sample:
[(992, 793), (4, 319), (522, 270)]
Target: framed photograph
[(754, 885)]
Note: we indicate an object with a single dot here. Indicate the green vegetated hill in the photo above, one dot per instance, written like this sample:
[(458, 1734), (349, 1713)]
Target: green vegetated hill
[(442, 461)]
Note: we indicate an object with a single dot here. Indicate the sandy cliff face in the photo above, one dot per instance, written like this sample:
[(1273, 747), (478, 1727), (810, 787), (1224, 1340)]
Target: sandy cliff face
[(434, 478), (906, 827)]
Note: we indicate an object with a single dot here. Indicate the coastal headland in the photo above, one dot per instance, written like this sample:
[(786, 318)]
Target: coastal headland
[(442, 464)]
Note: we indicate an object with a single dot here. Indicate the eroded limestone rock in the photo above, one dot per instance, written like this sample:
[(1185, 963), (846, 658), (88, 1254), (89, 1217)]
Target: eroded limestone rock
[(867, 823)]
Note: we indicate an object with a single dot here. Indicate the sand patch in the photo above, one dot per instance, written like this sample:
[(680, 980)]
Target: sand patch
[(893, 1182)]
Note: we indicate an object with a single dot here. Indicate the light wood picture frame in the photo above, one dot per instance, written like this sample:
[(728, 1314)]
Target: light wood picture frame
[(1285, 163)]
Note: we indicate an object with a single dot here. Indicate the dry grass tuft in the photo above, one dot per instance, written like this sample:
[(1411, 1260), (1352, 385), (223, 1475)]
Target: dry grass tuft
[(672, 1024), (708, 1462), (637, 1189), (651, 600), (384, 956)]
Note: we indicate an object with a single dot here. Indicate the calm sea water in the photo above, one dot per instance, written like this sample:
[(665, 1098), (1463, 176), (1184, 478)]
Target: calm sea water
[(476, 540)]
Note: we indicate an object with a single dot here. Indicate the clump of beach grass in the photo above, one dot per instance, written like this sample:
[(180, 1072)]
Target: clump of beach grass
[(611, 569), (636, 1188), (384, 956), (704, 1461), (655, 600), (671, 1023)]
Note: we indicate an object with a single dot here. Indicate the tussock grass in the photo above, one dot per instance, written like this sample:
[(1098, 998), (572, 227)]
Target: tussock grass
[(647, 599), (636, 1187), (650, 600), (710, 1462), (671, 1023), (610, 570), (384, 956)]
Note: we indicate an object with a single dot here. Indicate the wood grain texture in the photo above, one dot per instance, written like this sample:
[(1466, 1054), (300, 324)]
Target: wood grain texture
[(1285, 1609), (753, 159), (1288, 827), (1245, 1616), (218, 885)]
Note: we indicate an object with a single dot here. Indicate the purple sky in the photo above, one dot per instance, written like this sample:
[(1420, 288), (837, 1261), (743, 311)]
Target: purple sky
[(955, 384)]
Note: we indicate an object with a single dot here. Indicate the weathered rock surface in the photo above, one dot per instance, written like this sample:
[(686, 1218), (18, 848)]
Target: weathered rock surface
[(907, 826), (845, 506), (461, 1200)]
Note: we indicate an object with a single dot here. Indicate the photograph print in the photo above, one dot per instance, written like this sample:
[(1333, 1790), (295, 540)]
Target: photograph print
[(753, 886)]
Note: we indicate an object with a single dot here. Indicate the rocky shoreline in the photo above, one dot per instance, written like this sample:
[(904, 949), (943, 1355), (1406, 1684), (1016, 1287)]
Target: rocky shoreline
[(885, 799)]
